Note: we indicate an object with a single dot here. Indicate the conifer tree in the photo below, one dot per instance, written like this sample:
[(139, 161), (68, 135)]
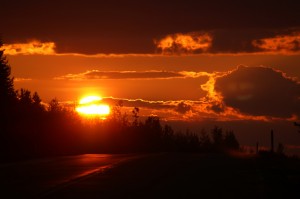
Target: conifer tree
[(7, 92)]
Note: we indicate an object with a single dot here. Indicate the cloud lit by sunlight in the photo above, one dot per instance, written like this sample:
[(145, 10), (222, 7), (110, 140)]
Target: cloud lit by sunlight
[(214, 98), (185, 43), (89, 99), (22, 79), (279, 43), (213, 105), (30, 48)]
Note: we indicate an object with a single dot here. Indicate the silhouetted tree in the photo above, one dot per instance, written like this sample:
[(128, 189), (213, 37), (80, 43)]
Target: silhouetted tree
[(8, 102), (153, 130), (224, 141), (230, 141), (192, 142), (25, 97), (7, 92), (298, 125), (205, 141), (217, 136), (36, 99), (280, 149), (117, 116), (181, 142), (135, 115), (37, 103), (168, 138), (54, 106)]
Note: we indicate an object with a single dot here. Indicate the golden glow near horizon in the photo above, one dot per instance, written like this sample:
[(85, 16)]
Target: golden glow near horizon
[(91, 106), (90, 99)]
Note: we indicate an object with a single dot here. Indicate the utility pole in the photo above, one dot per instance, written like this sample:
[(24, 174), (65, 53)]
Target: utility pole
[(272, 141)]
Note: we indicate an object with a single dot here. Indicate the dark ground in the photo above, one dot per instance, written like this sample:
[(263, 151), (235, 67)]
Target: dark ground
[(169, 175), (192, 176)]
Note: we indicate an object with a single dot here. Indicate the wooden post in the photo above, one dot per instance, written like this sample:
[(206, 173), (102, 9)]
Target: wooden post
[(257, 148)]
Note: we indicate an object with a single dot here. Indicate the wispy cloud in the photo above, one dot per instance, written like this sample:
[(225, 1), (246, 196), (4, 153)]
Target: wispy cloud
[(169, 110), (30, 48), (153, 74), (19, 79), (181, 110), (140, 103), (184, 43)]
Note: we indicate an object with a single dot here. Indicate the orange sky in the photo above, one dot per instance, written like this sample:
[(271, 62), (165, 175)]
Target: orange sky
[(144, 83), (186, 78), (174, 59)]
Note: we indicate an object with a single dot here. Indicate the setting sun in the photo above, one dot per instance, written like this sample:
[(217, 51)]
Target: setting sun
[(92, 106), (90, 99)]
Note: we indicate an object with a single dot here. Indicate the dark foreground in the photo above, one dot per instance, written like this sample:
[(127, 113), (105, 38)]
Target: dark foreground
[(162, 175)]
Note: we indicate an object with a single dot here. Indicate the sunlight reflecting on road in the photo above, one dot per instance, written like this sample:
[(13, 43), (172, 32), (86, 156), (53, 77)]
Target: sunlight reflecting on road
[(93, 158), (34, 177)]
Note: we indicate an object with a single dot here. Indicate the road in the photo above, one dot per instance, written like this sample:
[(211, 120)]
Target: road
[(173, 176), (163, 175), (39, 178)]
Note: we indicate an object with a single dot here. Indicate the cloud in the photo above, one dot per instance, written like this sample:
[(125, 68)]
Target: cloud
[(245, 93), (211, 42), (184, 43), (167, 110), (30, 48), (259, 91), (288, 43), (228, 41), (153, 74), (22, 79), (140, 103), (182, 108)]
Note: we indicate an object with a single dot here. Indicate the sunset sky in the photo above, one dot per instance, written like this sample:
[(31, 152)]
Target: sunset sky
[(195, 64)]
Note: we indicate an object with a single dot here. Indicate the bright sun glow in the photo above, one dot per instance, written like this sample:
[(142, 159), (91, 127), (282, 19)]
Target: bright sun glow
[(92, 106), (89, 99)]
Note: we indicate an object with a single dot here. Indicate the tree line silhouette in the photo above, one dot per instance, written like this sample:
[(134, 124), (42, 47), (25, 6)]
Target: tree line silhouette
[(30, 129)]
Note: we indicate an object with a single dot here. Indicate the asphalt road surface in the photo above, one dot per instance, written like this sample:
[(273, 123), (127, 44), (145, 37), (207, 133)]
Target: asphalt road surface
[(164, 175), (42, 177)]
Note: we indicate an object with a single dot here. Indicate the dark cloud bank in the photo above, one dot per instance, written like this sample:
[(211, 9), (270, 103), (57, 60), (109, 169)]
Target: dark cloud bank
[(260, 91), (93, 26)]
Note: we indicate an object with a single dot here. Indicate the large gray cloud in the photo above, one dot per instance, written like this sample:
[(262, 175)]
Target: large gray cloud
[(260, 91)]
